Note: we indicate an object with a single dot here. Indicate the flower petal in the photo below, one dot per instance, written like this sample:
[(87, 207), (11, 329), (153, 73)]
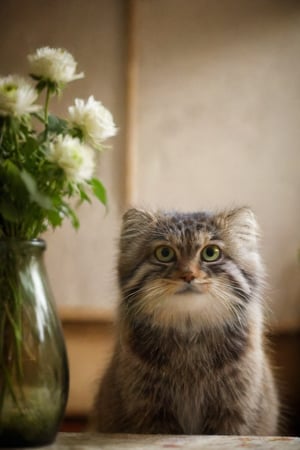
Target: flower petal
[(54, 65), (93, 120), (76, 159)]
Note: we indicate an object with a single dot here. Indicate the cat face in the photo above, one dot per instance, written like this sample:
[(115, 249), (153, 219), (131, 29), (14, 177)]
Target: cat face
[(197, 266)]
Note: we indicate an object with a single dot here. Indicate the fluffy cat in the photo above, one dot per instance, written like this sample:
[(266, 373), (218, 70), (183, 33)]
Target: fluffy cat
[(190, 353)]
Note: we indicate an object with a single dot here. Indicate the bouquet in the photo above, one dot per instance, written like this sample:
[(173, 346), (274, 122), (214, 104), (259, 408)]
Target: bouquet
[(46, 161)]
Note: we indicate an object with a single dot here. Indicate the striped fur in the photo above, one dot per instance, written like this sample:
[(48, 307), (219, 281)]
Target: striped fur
[(190, 355)]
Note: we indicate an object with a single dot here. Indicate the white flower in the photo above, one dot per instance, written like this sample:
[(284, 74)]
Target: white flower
[(16, 96), (93, 120), (53, 64), (75, 158)]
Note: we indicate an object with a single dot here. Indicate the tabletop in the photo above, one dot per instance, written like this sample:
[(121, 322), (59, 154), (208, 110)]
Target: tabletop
[(81, 441)]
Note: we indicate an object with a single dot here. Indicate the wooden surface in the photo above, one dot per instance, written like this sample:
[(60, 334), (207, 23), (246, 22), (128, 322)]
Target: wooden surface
[(66, 441)]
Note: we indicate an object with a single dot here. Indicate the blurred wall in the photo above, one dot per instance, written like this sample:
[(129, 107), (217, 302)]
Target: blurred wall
[(219, 120), (218, 123)]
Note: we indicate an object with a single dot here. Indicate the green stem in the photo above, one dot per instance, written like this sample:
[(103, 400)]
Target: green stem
[(2, 361), (3, 129), (46, 111), (11, 332)]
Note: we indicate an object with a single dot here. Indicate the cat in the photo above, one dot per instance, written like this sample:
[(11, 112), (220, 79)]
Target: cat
[(190, 353)]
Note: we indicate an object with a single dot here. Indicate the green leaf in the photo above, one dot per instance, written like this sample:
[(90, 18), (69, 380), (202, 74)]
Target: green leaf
[(42, 200), (30, 146), (11, 169), (11, 177), (68, 211), (99, 190), (14, 198), (8, 211), (74, 219), (83, 195), (55, 218), (56, 124)]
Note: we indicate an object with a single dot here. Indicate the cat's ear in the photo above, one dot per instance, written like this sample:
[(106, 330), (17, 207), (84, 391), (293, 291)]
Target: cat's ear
[(136, 216), (241, 224), (243, 218), (241, 233), (135, 221)]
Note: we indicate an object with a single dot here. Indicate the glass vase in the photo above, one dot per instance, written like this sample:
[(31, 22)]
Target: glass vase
[(34, 376)]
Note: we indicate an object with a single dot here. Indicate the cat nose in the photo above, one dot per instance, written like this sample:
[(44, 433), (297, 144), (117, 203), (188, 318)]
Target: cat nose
[(188, 277)]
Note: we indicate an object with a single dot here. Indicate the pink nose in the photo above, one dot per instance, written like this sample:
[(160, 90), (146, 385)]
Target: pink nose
[(188, 277)]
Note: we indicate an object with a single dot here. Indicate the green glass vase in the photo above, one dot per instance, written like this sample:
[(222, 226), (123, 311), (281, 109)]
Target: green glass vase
[(34, 375)]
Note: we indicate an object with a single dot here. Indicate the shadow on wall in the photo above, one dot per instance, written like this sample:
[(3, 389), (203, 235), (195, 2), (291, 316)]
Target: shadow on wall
[(290, 283), (286, 358)]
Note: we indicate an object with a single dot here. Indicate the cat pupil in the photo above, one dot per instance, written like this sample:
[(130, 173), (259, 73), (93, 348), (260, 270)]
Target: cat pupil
[(165, 252), (210, 251)]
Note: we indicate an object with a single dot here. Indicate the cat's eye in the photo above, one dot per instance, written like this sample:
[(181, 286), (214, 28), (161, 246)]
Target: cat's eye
[(211, 253), (164, 253)]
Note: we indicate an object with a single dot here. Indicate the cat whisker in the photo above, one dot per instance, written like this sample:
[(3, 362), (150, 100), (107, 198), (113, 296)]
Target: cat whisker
[(236, 308)]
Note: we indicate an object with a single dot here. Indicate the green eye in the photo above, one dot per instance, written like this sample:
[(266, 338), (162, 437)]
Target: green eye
[(211, 253), (164, 254)]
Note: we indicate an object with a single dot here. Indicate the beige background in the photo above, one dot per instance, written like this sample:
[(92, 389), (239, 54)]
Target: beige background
[(218, 123)]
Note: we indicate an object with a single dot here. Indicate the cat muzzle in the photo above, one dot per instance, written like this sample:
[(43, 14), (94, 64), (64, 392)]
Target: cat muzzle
[(190, 287)]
